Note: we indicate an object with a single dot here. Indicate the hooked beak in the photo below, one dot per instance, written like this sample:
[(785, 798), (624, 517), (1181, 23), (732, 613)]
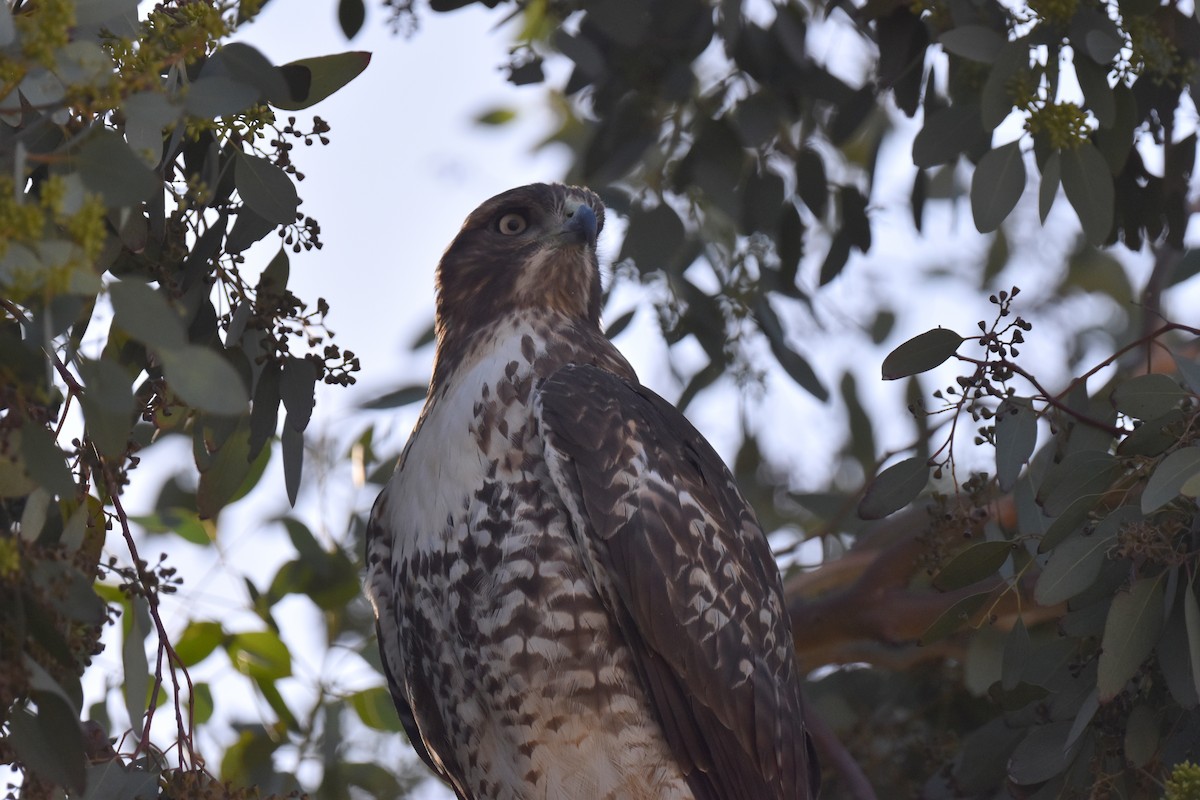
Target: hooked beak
[(581, 224)]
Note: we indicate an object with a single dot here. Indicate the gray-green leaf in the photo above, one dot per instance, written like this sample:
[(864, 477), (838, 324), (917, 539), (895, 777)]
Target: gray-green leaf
[(1134, 622), (921, 353)]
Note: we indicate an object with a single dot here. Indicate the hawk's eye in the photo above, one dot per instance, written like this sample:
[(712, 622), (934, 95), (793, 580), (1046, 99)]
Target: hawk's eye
[(512, 224)]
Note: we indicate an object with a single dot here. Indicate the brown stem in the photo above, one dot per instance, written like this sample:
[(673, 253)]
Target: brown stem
[(174, 663), (835, 754)]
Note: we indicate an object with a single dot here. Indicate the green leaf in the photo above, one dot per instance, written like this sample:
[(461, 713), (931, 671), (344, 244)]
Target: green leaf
[(184, 522), (1154, 436), (264, 416), (108, 166), (1089, 187), (1082, 474), (44, 461), (974, 42), (311, 80), (997, 185), (894, 488), (198, 641), (1147, 396), (1189, 370), (205, 380), (248, 66), (996, 100), (1130, 632), (973, 564), (221, 478), (811, 182), (1016, 436), (266, 189), (292, 447), (351, 16), (921, 353), (213, 96), (108, 406), (147, 114), (146, 315), (1042, 754), (1097, 94), (792, 362), (495, 117), (135, 668), (297, 389), (1191, 617), (50, 743), (1048, 190), (14, 478), (654, 238), (953, 618), (113, 780), (374, 707), (1169, 476), (1076, 563), (1016, 656), (261, 655), (947, 132), (202, 703), (1141, 735)]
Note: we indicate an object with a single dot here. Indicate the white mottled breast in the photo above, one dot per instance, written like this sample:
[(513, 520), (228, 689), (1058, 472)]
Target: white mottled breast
[(518, 680)]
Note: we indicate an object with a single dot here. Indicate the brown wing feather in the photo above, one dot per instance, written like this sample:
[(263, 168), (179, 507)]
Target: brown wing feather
[(688, 574)]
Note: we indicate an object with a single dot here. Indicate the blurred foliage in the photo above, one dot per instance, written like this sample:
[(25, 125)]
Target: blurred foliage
[(139, 160), (1031, 631)]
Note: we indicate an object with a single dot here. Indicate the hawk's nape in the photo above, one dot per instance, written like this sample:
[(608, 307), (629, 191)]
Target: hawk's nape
[(573, 600)]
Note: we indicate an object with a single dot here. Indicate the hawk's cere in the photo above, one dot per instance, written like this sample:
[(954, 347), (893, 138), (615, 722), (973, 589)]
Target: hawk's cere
[(573, 599)]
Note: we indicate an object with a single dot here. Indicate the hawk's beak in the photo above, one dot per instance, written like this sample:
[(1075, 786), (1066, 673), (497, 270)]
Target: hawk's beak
[(581, 225)]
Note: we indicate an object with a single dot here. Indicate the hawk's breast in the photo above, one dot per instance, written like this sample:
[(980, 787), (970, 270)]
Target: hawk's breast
[(514, 670)]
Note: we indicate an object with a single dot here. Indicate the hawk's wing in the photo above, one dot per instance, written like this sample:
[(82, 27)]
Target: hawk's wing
[(687, 573)]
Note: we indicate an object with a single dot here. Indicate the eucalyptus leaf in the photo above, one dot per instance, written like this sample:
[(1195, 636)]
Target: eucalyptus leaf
[(1016, 436), (260, 655), (997, 185), (977, 562), (1083, 474), (108, 166), (1147, 396), (1169, 476), (1191, 618), (1089, 187), (921, 353), (297, 389), (1130, 632), (205, 380), (311, 80), (974, 42), (108, 406), (146, 315), (946, 134), (894, 488), (397, 398), (954, 618), (1076, 563), (266, 189), (292, 442), (219, 96)]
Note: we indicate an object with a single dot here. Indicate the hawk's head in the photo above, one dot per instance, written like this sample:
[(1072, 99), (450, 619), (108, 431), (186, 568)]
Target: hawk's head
[(532, 247)]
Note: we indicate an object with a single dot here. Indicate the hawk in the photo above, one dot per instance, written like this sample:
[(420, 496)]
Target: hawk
[(572, 598)]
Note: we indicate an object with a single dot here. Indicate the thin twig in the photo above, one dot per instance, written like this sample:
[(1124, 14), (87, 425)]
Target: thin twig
[(186, 732)]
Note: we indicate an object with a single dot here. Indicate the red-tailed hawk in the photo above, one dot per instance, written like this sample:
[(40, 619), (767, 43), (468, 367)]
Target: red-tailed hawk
[(573, 600)]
